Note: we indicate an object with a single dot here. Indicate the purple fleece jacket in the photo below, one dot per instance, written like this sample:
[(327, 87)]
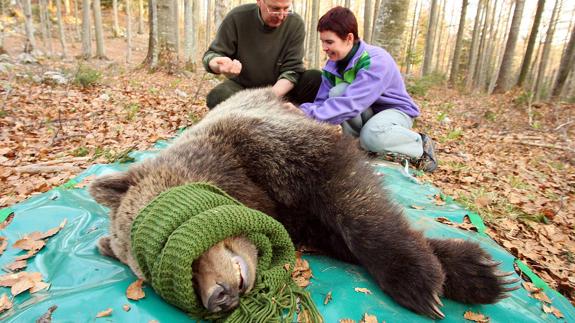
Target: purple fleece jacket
[(378, 84)]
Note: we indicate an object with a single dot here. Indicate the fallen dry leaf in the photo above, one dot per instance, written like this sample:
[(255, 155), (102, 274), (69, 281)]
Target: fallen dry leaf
[(476, 317), (16, 265), (6, 222), (530, 287), (126, 307), (363, 290), (135, 291), (540, 295), (5, 303), (327, 298), (368, 318), (304, 317), (347, 321), (47, 317), (28, 255), (21, 286), (47, 234), (29, 244), (38, 286), (105, 313), (438, 200), (553, 310), (301, 273), (3, 244), (417, 207)]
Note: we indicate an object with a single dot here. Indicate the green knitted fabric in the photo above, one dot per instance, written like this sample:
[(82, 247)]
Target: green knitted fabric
[(182, 223)]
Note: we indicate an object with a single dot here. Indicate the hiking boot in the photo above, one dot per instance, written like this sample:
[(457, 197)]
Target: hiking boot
[(428, 161)]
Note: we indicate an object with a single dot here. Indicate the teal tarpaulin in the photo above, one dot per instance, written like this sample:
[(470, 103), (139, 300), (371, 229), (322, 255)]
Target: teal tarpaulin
[(84, 283)]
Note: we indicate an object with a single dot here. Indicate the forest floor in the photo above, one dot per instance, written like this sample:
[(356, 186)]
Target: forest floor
[(517, 173)]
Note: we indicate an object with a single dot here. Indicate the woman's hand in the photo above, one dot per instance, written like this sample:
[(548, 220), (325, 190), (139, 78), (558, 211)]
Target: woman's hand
[(291, 107)]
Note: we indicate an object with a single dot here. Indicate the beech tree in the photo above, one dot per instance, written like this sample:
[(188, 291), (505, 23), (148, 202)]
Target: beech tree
[(430, 39), (567, 64), (504, 78), (390, 24), (100, 50), (541, 73), (86, 30), (458, 43), (526, 63), (61, 28), (367, 21), (162, 41), (30, 43)]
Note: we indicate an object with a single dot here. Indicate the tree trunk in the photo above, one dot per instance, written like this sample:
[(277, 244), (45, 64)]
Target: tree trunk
[(314, 39), (412, 37), (100, 50), (504, 21), (86, 30), (152, 56), (30, 44), (474, 50), (129, 31), (61, 28), (430, 39), (504, 78), (547, 50), (162, 45), (220, 12), (43, 13), (458, 42), (2, 50), (367, 21), (77, 18), (449, 43), (390, 24), (176, 22), (140, 17), (487, 63), (440, 26), (567, 63), (190, 7), (115, 23), (209, 15), (375, 13), (480, 75), (526, 63)]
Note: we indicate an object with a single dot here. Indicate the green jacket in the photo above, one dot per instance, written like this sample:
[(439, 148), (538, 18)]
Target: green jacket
[(267, 54)]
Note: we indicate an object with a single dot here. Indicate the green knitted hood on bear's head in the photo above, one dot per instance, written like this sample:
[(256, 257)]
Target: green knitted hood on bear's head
[(182, 223)]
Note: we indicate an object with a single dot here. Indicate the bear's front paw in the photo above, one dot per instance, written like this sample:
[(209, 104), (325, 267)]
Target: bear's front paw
[(471, 276), (415, 284)]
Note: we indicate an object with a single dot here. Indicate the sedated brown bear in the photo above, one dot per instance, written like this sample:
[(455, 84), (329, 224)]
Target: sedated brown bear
[(318, 184)]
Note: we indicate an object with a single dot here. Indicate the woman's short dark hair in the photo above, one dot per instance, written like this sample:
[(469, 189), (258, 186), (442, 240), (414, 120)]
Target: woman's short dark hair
[(339, 20)]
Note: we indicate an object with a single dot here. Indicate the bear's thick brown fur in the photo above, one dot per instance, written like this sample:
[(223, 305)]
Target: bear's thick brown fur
[(319, 185)]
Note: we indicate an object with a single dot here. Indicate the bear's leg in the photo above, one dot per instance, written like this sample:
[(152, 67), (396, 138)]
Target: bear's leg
[(352, 206), (471, 276)]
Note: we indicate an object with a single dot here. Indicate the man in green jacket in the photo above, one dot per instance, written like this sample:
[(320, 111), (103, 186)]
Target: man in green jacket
[(261, 44)]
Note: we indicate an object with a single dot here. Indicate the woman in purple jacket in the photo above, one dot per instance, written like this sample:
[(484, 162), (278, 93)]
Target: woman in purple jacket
[(362, 89)]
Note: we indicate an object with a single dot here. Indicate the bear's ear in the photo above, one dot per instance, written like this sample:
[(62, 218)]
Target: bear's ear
[(108, 190)]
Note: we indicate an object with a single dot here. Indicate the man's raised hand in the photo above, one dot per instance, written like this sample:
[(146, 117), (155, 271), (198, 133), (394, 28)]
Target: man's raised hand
[(226, 66)]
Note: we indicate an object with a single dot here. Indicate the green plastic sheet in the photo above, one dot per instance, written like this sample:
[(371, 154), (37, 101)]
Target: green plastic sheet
[(84, 283)]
